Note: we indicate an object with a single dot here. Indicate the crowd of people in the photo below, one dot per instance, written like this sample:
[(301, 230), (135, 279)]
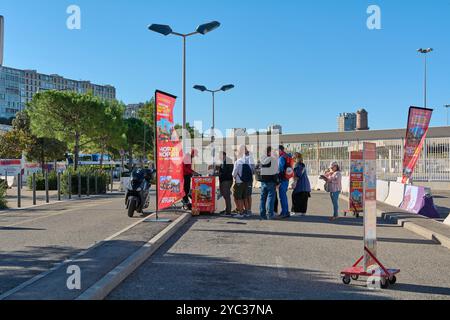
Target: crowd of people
[(278, 171)]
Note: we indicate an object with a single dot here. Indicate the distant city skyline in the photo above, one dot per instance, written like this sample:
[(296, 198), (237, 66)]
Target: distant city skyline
[(322, 60)]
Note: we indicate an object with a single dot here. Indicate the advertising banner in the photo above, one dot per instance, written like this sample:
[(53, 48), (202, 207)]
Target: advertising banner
[(370, 203), (10, 167), (356, 181), (169, 153), (416, 132), (203, 195)]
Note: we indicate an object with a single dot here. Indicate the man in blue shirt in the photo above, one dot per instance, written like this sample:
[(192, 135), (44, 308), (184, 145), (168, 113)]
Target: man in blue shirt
[(284, 183)]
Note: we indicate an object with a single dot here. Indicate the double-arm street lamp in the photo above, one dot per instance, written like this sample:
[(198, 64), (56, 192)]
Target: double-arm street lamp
[(167, 30), (213, 92), (425, 52)]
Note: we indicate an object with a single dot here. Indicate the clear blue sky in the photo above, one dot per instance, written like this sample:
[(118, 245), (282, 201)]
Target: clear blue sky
[(296, 63)]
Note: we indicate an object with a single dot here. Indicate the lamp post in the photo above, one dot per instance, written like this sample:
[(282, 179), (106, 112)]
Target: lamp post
[(167, 30), (446, 107), (425, 52), (213, 93)]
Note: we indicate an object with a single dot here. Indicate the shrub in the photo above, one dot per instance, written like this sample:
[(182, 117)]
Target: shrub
[(40, 181), (103, 179)]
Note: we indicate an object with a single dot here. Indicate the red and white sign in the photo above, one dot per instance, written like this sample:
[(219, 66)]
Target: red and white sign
[(203, 195), (169, 153)]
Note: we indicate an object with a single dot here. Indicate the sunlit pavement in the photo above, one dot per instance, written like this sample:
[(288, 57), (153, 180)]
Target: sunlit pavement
[(299, 258)]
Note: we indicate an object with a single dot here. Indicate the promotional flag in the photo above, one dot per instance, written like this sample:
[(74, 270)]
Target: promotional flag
[(370, 203), (203, 195), (416, 132), (169, 153), (356, 181)]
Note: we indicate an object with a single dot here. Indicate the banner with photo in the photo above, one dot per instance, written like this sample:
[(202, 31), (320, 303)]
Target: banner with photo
[(416, 133), (169, 153), (356, 182), (370, 203)]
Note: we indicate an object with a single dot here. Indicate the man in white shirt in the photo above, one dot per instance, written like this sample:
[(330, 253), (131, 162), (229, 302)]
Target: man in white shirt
[(242, 177)]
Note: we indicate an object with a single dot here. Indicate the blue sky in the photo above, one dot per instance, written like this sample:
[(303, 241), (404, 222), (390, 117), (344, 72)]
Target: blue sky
[(296, 63)]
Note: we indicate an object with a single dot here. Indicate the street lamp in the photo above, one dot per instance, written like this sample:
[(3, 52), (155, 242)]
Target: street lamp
[(213, 92), (446, 107), (425, 52), (167, 30)]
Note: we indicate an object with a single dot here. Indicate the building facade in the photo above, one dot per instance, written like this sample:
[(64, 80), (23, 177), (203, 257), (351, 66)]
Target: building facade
[(132, 110), (17, 87), (346, 122)]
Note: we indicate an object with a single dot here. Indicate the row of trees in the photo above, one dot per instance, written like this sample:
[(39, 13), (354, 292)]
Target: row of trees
[(57, 122)]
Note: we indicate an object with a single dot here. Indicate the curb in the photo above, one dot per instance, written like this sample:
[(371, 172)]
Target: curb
[(413, 227), (112, 279)]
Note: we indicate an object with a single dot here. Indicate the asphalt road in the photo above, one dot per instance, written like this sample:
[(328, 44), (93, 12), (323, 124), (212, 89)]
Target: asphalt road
[(225, 258), (33, 240)]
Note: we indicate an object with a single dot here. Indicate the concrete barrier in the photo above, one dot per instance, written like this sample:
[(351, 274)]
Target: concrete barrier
[(447, 221), (396, 193), (382, 190)]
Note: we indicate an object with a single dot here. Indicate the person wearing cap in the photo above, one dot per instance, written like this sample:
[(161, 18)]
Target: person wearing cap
[(333, 178), (188, 173)]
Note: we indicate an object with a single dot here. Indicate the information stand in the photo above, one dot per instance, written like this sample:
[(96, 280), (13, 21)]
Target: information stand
[(203, 195), (363, 170)]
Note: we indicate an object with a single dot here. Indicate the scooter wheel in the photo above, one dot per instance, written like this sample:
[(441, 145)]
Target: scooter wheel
[(131, 208)]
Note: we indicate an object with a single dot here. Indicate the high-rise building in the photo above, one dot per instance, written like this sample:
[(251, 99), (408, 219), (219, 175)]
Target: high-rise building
[(275, 128), (2, 28), (17, 87), (132, 110), (346, 122), (362, 120)]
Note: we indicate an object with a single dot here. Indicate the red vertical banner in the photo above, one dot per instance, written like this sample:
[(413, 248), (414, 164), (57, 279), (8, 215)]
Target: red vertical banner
[(356, 181), (370, 203), (169, 153), (416, 133)]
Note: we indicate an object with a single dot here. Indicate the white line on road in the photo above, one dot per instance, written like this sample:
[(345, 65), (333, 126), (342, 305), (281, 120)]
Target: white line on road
[(69, 260)]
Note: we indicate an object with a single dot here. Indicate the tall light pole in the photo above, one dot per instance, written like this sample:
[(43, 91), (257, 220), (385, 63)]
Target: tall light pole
[(425, 52), (167, 30), (213, 93), (446, 107)]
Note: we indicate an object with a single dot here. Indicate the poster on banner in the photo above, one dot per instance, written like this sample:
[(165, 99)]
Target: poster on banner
[(370, 203), (416, 132), (169, 153), (356, 182), (203, 195)]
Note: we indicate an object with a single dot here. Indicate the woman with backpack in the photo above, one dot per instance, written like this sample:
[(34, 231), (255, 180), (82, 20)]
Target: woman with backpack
[(301, 186), (333, 181)]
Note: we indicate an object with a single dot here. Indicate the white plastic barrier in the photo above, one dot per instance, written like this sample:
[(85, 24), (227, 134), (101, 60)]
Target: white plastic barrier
[(345, 184), (10, 182), (320, 184), (382, 190), (396, 193)]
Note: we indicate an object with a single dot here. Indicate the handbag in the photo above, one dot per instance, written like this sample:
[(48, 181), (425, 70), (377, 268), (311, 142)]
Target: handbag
[(327, 187)]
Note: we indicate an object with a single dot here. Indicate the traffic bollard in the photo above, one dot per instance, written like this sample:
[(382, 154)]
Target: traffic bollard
[(47, 196), (112, 180), (87, 185), (79, 185), (19, 193), (69, 182), (96, 183), (58, 182), (34, 188)]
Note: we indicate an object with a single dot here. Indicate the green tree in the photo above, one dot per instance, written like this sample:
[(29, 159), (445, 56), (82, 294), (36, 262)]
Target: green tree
[(65, 116), (44, 150), (11, 145), (136, 132)]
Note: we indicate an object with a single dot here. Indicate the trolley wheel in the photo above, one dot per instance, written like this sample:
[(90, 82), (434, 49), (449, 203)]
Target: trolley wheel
[(393, 280), (355, 277), (346, 280), (384, 283)]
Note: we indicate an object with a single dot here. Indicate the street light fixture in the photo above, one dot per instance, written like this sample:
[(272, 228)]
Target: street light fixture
[(446, 107), (167, 30), (213, 92), (425, 52)]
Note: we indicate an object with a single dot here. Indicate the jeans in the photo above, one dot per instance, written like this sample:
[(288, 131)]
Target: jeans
[(187, 188), (335, 199), (284, 185), (267, 194)]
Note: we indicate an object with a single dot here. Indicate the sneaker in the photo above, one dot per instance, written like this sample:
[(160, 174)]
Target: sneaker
[(239, 216), (248, 215)]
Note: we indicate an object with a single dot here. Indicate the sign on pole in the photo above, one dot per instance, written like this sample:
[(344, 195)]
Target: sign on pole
[(370, 203), (356, 181), (169, 153), (416, 133)]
